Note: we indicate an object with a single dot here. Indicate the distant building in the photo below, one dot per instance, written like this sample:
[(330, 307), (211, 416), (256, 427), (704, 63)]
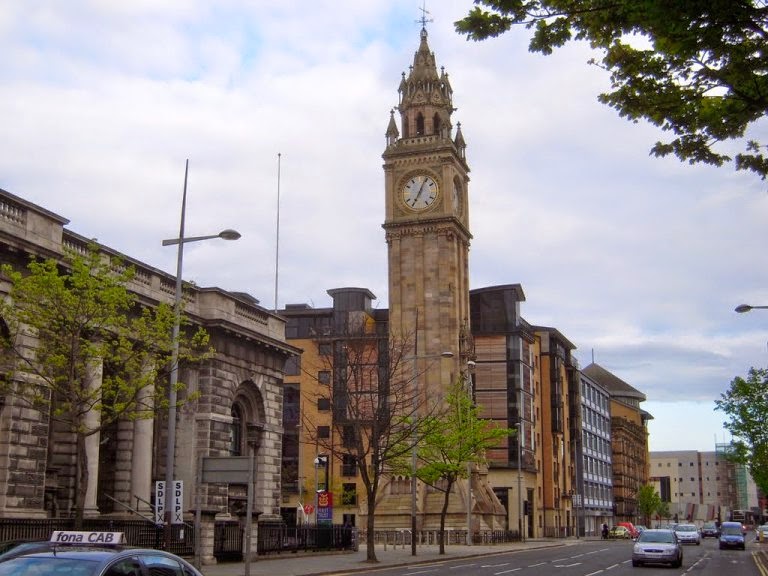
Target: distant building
[(629, 441), (702, 486)]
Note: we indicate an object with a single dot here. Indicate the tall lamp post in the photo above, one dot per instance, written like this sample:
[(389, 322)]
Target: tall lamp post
[(415, 449), (174, 376), (468, 382)]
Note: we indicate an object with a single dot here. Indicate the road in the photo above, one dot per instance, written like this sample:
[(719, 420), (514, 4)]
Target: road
[(591, 558)]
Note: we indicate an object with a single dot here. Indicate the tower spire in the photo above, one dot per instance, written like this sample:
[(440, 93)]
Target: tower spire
[(423, 20)]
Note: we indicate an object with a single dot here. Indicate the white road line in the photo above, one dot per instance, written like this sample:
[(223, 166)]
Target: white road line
[(539, 564), (506, 571), (612, 567), (494, 565), (593, 573), (567, 565), (463, 565)]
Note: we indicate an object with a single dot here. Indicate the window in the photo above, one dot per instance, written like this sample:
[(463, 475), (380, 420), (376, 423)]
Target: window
[(324, 377), (323, 404), (348, 465), (125, 567), (323, 431), (236, 432), (158, 565), (349, 494), (293, 366), (324, 348)]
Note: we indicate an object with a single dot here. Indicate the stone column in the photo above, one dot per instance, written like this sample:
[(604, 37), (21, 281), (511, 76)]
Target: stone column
[(92, 421), (141, 458)]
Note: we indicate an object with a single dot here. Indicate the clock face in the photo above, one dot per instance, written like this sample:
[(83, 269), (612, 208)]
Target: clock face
[(419, 192)]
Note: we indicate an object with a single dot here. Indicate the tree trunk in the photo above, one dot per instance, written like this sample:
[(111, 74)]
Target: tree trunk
[(370, 545), (81, 480), (443, 514)]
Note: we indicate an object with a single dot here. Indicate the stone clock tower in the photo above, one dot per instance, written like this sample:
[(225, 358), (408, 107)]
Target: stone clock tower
[(427, 232), (427, 222)]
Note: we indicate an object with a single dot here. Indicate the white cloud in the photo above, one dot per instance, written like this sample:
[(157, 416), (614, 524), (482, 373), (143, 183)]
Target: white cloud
[(637, 258)]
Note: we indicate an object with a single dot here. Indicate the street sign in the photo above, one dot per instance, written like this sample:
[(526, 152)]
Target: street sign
[(225, 469), (324, 507)]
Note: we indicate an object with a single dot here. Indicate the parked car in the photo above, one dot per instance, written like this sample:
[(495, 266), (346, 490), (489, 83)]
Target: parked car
[(762, 533), (731, 536), (657, 546), (709, 530), (688, 534), (629, 526), (619, 532)]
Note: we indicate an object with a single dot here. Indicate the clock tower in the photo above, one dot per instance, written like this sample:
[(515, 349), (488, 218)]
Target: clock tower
[(427, 223)]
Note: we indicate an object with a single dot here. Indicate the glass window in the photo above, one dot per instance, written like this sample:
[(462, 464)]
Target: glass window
[(162, 565)]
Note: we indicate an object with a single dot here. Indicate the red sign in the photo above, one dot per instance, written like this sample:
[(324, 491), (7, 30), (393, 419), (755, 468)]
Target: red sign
[(308, 509), (324, 499)]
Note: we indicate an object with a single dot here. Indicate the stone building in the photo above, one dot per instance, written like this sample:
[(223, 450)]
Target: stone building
[(239, 389)]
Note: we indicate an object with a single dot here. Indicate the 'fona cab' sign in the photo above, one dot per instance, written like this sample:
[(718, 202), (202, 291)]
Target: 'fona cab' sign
[(85, 538)]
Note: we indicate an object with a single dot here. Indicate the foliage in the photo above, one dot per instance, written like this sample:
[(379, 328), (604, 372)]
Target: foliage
[(695, 68), (77, 344), (746, 404), (452, 439), (648, 502)]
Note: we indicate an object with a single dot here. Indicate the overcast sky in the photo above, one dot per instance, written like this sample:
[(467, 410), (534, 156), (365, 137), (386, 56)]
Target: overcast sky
[(638, 261)]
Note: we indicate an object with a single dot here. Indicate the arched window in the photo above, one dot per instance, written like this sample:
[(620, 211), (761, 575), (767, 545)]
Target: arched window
[(436, 124), (420, 124), (236, 431)]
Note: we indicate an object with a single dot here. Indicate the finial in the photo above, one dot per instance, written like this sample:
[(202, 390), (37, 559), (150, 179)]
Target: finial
[(423, 20)]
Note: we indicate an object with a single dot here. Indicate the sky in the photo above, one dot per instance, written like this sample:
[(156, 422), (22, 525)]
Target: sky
[(281, 106)]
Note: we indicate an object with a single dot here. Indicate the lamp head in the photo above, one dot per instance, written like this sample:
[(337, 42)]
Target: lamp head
[(229, 234)]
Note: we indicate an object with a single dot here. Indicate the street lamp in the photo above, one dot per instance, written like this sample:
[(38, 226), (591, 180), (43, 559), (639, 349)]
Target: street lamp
[(468, 382), (415, 450), (741, 308), (174, 376)]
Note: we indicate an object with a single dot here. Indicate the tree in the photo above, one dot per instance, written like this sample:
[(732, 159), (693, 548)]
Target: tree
[(77, 346), (452, 439), (695, 68), (374, 406), (648, 502), (746, 404)]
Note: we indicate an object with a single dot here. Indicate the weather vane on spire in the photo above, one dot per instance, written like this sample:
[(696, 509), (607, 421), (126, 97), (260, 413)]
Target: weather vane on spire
[(423, 20)]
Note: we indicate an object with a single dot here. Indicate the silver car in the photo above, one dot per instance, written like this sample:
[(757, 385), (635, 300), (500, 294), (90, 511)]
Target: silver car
[(657, 546), (688, 534)]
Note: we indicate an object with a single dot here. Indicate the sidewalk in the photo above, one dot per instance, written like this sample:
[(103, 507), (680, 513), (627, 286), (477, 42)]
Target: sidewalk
[(306, 564)]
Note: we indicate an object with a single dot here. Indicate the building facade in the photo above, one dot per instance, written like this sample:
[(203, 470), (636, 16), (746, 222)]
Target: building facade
[(234, 395), (629, 441)]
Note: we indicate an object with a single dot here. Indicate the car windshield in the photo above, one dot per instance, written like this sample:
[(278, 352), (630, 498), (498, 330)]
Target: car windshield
[(731, 530), (35, 566), (686, 528), (660, 536)]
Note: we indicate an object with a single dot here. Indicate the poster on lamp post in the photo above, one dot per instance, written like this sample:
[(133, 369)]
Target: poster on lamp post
[(324, 508), (177, 516)]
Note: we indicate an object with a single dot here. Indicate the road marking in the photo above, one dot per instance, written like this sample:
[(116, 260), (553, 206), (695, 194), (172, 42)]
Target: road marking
[(612, 567), (462, 565), (494, 565), (539, 564), (506, 571), (593, 573), (567, 565)]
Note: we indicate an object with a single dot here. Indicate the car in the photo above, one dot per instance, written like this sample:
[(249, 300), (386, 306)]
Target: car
[(13, 548), (640, 528), (688, 534), (629, 526), (78, 553), (710, 530), (731, 536), (619, 532), (762, 533), (657, 546)]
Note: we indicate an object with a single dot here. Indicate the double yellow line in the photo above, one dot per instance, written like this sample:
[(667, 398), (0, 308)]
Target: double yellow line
[(761, 561)]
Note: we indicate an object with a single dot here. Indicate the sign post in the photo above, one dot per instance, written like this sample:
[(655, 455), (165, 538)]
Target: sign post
[(177, 502)]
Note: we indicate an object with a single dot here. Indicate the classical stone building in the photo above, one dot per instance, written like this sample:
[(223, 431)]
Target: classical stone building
[(236, 392)]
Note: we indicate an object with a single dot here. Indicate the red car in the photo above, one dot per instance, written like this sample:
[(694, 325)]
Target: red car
[(633, 533)]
